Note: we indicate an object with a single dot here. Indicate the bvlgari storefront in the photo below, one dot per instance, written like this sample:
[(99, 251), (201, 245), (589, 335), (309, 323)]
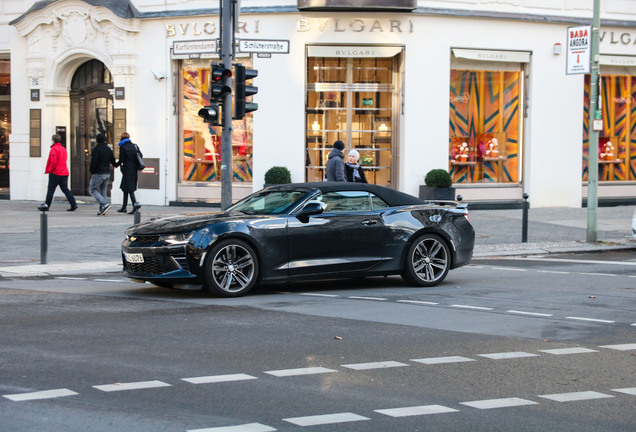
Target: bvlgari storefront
[(409, 89)]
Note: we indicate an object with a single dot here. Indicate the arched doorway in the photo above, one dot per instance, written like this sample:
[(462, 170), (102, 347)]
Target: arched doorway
[(91, 114)]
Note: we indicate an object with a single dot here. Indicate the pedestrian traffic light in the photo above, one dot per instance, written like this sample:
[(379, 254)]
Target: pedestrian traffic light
[(242, 91), (211, 114), (218, 82)]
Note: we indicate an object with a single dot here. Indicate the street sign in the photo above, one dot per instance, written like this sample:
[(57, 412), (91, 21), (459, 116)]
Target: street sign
[(205, 48), (578, 50), (263, 46)]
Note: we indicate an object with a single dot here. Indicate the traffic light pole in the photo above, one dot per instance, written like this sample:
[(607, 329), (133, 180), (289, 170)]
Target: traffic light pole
[(227, 53), (592, 161)]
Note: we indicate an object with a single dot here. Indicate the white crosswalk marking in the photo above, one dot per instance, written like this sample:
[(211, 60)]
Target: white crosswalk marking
[(325, 419), (576, 396), (498, 403), (374, 365), (218, 378), (416, 410), (508, 355), (131, 386), (564, 351), (629, 391), (46, 394), (250, 427), (621, 347), (441, 360), (299, 371)]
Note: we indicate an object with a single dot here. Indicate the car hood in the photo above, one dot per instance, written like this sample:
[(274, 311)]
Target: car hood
[(182, 223)]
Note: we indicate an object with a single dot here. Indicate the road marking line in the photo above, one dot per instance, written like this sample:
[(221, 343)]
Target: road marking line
[(553, 271), (470, 307), (299, 371), (442, 360), (629, 390), (45, 394), (597, 274), (474, 266), (508, 355), (621, 347), (70, 278), (320, 295), (131, 386), (218, 378), (575, 396), (564, 351), (366, 298), (529, 313), (418, 302), (374, 365), (590, 320), (509, 269), (416, 410), (250, 427), (111, 280), (325, 419), (498, 403)]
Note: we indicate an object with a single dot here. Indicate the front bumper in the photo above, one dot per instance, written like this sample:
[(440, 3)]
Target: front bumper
[(160, 263)]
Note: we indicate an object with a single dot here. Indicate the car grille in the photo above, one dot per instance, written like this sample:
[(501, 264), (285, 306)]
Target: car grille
[(156, 266), (146, 238)]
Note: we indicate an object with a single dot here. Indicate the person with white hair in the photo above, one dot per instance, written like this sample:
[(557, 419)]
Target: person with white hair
[(353, 170)]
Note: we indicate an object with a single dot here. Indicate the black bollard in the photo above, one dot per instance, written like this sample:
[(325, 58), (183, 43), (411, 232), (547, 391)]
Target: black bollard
[(44, 232), (137, 218), (524, 220)]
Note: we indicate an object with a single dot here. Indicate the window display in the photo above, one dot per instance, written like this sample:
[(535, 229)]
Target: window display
[(484, 140), (617, 140), (201, 150)]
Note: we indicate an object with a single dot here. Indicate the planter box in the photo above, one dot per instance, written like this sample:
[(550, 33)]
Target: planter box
[(436, 193)]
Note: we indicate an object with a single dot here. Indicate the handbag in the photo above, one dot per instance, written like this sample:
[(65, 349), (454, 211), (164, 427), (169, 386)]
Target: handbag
[(140, 162)]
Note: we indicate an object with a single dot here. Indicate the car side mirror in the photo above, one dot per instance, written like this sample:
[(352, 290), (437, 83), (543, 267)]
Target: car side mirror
[(310, 209)]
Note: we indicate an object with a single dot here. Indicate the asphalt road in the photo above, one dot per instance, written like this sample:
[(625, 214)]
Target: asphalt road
[(525, 344)]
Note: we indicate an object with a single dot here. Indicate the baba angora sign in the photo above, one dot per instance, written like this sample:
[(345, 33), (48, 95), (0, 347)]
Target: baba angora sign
[(578, 50)]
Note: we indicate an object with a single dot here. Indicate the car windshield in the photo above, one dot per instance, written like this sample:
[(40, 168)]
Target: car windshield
[(269, 202)]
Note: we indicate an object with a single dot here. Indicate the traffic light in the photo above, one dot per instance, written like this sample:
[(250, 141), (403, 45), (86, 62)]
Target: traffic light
[(242, 91), (218, 82), (211, 114)]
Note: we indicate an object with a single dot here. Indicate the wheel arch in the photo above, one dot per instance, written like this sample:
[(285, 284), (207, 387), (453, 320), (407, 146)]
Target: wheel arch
[(430, 230)]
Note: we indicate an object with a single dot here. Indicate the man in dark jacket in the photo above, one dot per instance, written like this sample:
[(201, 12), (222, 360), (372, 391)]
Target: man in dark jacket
[(335, 163), (102, 158)]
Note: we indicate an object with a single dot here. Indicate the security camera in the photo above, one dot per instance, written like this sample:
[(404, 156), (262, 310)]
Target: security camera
[(158, 75)]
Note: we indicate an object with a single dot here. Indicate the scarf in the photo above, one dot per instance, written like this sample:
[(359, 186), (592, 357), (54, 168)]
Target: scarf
[(356, 174), (124, 141)]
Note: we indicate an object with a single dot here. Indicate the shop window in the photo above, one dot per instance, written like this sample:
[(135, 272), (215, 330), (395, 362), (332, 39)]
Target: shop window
[(617, 141), (484, 123), (5, 120), (350, 99), (201, 143)]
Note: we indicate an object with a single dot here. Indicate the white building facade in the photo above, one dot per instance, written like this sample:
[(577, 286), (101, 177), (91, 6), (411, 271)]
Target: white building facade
[(476, 87)]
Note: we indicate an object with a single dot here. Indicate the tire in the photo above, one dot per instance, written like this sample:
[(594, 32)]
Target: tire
[(427, 262), (231, 268)]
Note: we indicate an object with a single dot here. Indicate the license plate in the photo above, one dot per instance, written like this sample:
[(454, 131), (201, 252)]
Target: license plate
[(134, 257)]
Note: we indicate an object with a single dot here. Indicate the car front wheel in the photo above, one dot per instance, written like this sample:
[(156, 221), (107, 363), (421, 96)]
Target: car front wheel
[(231, 268), (427, 262)]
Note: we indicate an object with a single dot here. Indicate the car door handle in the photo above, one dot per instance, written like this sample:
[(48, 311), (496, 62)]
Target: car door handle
[(369, 222)]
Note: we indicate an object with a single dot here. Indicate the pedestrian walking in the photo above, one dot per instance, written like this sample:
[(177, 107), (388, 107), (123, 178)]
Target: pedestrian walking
[(335, 163), (57, 170), (353, 170), (129, 166), (102, 158)]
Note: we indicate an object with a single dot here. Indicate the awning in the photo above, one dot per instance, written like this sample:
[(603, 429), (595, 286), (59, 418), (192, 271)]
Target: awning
[(493, 55), (353, 51), (615, 60)]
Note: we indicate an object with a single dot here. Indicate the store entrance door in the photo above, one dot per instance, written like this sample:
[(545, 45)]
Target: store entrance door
[(91, 114)]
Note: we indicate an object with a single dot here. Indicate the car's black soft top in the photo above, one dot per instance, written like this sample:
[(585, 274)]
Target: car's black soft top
[(391, 197)]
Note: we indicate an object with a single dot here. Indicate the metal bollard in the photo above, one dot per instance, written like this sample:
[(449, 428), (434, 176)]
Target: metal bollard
[(44, 232), (137, 218), (524, 219)]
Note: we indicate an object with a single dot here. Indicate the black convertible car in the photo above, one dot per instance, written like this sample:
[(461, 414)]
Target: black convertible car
[(303, 231)]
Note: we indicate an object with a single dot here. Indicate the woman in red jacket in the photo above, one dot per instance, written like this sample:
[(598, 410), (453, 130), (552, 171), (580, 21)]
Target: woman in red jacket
[(58, 173)]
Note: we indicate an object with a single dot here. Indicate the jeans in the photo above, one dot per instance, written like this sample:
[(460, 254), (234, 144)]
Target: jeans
[(61, 181), (99, 188)]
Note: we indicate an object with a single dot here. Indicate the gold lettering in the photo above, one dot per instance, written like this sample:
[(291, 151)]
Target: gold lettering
[(242, 26), (302, 25), (411, 26), (194, 29), (170, 30), (337, 22), (396, 26), (209, 27), (356, 28), (376, 25), (183, 30), (626, 38), (256, 31), (322, 26)]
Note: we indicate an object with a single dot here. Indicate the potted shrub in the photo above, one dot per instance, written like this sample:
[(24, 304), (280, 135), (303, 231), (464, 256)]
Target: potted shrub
[(277, 175), (438, 186)]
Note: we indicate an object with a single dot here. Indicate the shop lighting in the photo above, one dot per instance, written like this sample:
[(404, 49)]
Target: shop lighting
[(383, 128), (315, 126)]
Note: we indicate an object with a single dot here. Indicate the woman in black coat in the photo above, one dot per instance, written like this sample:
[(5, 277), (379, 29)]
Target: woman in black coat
[(353, 170), (129, 168)]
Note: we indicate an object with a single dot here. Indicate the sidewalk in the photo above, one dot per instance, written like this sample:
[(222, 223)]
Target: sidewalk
[(81, 242)]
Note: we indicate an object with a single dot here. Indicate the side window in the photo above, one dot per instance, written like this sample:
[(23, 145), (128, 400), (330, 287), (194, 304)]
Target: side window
[(346, 201), (378, 203)]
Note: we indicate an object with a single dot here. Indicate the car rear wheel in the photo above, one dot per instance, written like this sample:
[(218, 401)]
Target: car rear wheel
[(231, 268), (427, 262)]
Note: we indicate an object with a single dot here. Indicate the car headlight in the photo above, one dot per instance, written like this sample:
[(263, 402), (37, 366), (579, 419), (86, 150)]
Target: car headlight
[(176, 239)]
